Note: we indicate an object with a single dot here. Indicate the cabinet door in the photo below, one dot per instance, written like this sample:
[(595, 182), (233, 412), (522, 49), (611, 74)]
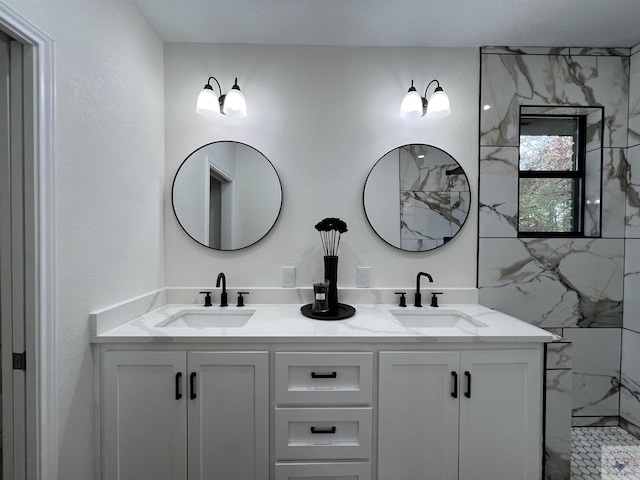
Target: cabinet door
[(144, 423), (229, 415), (501, 418), (418, 416)]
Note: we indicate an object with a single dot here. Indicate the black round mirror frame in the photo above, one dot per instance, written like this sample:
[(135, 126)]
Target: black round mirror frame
[(438, 192), (275, 211)]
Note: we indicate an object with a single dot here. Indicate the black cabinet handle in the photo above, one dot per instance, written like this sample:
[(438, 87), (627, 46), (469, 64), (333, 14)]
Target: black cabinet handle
[(178, 392), (324, 375), (468, 392), (454, 393), (315, 430), (192, 385)]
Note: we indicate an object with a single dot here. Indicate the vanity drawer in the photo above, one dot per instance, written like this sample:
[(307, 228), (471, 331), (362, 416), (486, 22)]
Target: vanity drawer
[(322, 378), (323, 433), (323, 471)]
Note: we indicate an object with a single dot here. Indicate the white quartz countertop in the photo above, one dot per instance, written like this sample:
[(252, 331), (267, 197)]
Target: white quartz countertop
[(285, 323)]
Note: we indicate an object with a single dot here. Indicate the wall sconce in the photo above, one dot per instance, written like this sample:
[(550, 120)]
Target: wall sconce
[(232, 104), (413, 105)]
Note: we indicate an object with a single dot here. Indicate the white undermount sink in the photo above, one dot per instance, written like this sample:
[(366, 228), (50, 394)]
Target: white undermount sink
[(208, 319), (432, 319)]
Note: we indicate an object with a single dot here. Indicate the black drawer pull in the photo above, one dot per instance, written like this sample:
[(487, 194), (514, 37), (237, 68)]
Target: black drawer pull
[(178, 392), (468, 392), (454, 393), (324, 375), (192, 385), (315, 430)]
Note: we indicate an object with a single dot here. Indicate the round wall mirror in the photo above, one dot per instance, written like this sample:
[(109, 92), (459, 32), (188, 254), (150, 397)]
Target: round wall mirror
[(416, 197), (226, 195)]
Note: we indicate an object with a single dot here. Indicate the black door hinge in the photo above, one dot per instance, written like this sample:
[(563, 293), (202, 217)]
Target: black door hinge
[(20, 361)]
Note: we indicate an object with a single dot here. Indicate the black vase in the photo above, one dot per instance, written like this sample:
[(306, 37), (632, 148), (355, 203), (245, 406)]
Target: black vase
[(331, 274)]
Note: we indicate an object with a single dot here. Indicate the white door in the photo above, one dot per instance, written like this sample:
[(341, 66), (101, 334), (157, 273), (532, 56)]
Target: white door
[(12, 260), (228, 415), (418, 416), (144, 420), (501, 415)]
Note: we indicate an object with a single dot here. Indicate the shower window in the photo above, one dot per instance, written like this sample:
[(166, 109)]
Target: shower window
[(552, 174)]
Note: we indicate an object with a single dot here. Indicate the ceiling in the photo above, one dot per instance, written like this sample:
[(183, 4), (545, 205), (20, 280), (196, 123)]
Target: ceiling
[(427, 23)]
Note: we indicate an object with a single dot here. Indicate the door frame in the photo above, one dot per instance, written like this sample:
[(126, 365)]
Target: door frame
[(40, 274)]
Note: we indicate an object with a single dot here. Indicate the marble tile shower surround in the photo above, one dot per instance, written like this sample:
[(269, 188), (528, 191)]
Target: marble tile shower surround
[(632, 285), (498, 191), (554, 282), (632, 217), (624, 52), (509, 81), (630, 381), (557, 448), (630, 373), (596, 371), (559, 355), (634, 100), (557, 431), (632, 428), (630, 396), (595, 421), (574, 284)]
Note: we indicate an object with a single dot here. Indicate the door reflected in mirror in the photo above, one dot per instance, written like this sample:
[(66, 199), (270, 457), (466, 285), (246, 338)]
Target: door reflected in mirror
[(416, 197), (226, 195)]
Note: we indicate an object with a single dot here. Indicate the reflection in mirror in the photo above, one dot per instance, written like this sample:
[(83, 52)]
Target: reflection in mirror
[(417, 197), (226, 195)]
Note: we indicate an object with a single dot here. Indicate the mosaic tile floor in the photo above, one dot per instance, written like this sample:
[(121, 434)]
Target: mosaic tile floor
[(586, 443)]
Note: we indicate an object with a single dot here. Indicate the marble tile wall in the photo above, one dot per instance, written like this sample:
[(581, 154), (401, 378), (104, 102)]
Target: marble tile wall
[(596, 378), (630, 378), (557, 448), (576, 284), (634, 97), (630, 391), (554, 282)]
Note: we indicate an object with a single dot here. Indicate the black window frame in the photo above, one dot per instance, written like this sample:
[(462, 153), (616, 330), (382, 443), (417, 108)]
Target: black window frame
[(579, 173)]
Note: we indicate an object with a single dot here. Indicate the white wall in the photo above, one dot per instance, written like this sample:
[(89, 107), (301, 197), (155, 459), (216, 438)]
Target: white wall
[(191, 196), (323, 116), (109, 187)]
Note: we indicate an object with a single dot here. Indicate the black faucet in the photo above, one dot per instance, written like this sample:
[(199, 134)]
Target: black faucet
[(223, 294), (418, 302)]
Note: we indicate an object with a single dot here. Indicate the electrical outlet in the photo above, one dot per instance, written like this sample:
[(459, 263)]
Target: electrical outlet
[(363, 277), (288, 277)]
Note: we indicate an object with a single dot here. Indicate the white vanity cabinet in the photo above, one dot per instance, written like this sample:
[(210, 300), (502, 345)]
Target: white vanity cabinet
[(175, 415), (380, 411), (466, 415)]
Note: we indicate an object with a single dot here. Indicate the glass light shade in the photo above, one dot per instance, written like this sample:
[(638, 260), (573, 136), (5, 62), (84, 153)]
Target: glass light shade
[(208, 104), (234, 104), (411, 106), (438, 106)]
